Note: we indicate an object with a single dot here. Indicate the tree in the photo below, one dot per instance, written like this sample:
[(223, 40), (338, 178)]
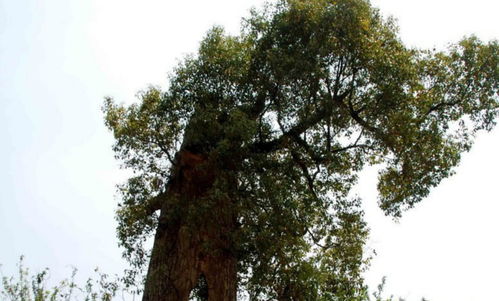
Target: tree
[(243, 166)]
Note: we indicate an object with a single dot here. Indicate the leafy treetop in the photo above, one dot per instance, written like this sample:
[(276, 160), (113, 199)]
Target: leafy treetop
[(293, 108)]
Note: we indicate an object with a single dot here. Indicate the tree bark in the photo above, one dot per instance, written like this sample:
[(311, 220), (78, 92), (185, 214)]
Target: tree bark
[(173, 268), (184, 248)]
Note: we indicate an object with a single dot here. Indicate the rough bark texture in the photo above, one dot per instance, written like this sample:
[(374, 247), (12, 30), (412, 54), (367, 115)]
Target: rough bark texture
[(184, 248)]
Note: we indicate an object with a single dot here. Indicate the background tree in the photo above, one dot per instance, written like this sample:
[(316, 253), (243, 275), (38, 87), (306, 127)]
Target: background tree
[(251, 152)]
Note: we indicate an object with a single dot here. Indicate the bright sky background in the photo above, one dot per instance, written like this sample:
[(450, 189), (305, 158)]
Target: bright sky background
[(59, 58)]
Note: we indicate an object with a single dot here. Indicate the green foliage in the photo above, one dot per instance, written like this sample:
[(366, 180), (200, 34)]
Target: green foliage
[(28, 287), (35, 287), (293, 108)]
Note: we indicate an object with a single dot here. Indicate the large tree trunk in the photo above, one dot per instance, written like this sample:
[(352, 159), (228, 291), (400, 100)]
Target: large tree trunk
[(185, 246), (173, 269), (221, 276)]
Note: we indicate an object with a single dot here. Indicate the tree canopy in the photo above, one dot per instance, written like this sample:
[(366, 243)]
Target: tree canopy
[(285, 115)]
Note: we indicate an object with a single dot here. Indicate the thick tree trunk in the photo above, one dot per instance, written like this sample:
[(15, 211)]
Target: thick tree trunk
[(173, 269), (221, 276), (184, 248)]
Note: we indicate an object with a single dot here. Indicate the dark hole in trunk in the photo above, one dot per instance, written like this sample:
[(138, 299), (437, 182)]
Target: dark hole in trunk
[(200, 291)]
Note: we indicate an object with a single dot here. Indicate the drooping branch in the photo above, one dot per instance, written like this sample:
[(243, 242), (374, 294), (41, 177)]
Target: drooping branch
[(303, 166), (354, 114)]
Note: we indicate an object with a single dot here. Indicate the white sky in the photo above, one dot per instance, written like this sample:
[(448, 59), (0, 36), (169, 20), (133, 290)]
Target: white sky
[(59, 58)]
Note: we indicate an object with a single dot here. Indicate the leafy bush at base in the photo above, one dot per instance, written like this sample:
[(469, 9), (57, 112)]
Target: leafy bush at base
[(35, 287)]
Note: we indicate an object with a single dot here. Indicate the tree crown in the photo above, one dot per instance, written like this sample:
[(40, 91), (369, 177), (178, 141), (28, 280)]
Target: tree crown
[(293, 108)]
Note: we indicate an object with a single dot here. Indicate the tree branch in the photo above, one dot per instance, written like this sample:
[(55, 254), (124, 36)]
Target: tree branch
[(298, 129), (155, 203)]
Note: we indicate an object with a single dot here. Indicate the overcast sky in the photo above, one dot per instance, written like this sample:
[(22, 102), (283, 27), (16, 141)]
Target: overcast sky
[(59, 58)]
